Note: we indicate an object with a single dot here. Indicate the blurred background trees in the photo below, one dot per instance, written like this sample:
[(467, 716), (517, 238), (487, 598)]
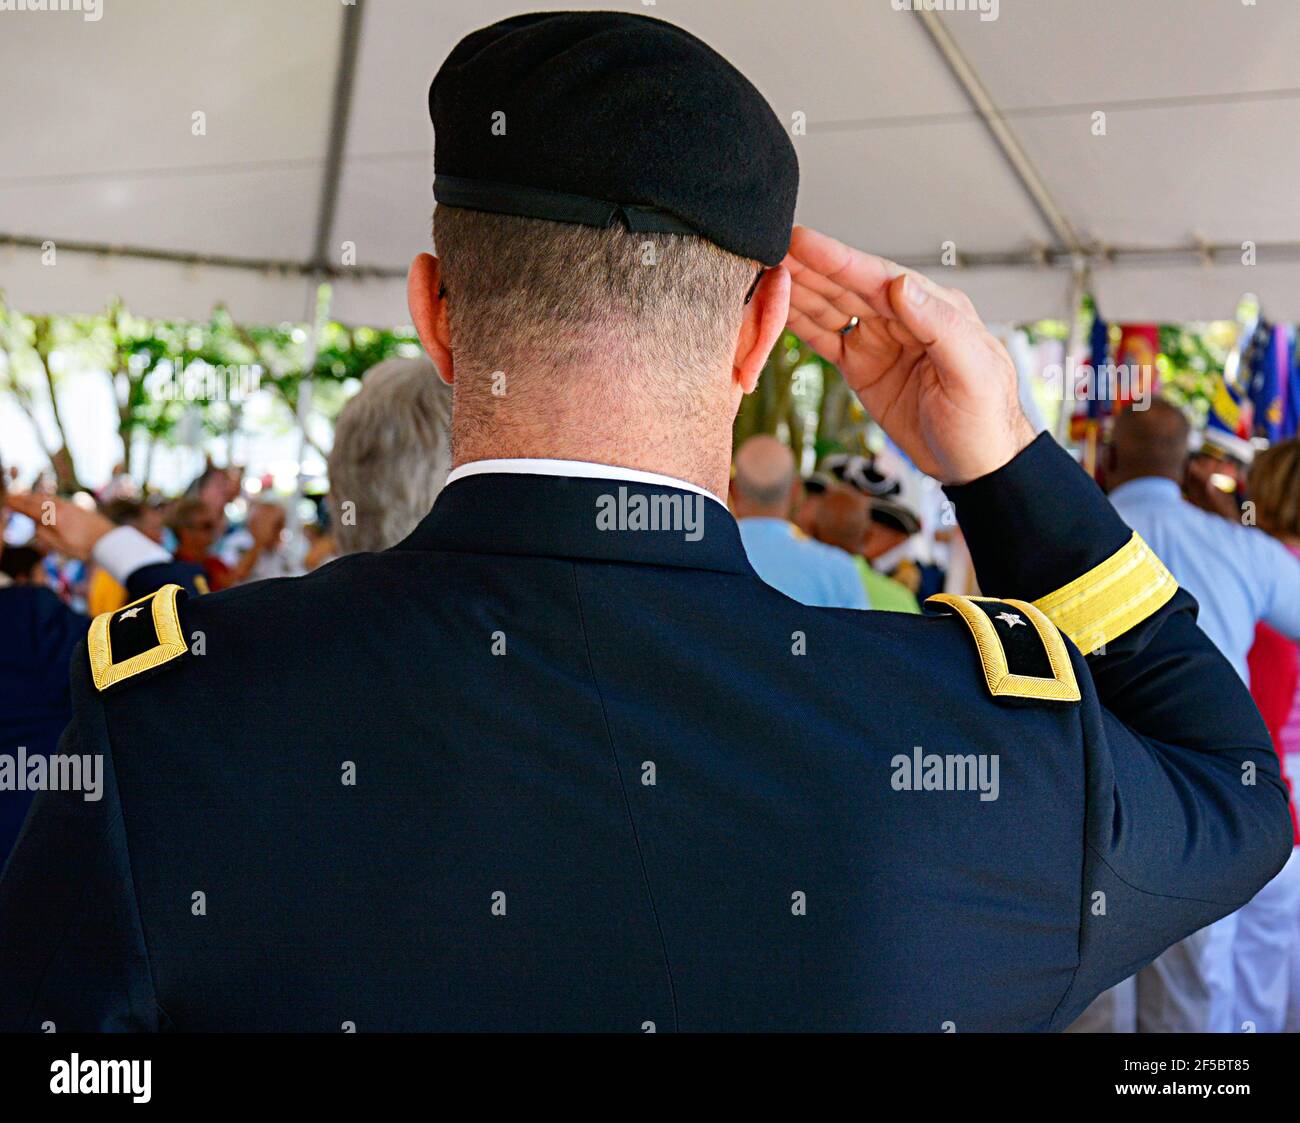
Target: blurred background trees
[(161, 374), (802, 399), (176, 382)]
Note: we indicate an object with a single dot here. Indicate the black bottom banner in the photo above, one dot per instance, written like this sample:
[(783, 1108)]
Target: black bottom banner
[(361, 1070)]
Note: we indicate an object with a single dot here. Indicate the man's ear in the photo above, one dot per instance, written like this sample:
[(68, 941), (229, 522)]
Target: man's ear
[(765, 317), (429, 312)]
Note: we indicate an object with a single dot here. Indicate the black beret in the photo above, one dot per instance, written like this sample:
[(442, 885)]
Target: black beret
[(612, 117)]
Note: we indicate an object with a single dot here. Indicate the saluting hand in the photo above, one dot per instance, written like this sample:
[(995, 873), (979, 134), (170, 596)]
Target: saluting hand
[(61, 525), (921, 361)]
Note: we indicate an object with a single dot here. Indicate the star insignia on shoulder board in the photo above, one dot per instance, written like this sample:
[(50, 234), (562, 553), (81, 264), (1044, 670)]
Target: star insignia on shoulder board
[(1011, 618), (131, 612)]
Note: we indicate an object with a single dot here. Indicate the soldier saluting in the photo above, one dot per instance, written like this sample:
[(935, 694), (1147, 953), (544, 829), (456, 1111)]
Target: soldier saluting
[(520, 772)]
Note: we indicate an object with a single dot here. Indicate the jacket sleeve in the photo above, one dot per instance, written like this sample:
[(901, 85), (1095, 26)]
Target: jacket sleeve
[(72, 951), (148, 579), (1186, 815)]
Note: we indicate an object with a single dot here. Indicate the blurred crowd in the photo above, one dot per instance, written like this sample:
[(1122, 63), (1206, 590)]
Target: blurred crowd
[(391, 454), (233, 536)]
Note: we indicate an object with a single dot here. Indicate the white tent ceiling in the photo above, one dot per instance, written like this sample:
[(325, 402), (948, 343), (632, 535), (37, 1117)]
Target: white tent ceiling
[(1200, 146)]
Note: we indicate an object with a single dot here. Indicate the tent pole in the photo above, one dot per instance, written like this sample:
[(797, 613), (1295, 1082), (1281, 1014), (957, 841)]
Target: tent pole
[(1007, 142), (1079, 285), (317, 315), (318, 297), (349, 46)]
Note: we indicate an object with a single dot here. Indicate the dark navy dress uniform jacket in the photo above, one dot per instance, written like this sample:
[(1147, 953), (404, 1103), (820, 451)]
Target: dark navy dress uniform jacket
[(609, 780), (38, 634)]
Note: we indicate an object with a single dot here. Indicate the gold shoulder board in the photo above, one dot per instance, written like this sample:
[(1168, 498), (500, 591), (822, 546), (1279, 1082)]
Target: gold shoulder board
[(140, 637), (1022, 652)]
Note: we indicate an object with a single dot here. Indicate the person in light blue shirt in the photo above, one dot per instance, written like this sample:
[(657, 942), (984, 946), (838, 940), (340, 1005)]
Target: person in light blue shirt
[(1235, 973), (763, 490), (1239, 574)]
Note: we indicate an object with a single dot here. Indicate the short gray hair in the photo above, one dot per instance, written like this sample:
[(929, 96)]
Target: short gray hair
[(391, 455), (545, 297)]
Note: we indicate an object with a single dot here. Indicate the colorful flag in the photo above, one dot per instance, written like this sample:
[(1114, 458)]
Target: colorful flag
[(1230, 407), (1269, 375), (1291, 400), (1139, 344), (1099, 359)]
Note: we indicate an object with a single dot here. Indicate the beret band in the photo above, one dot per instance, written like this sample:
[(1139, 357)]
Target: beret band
[(533, 202)]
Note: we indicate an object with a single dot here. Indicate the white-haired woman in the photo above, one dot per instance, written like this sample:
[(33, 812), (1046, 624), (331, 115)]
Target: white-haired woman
[(391, 455)]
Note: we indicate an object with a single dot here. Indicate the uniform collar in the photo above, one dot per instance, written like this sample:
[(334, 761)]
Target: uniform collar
[(581, 515), (574, 469)]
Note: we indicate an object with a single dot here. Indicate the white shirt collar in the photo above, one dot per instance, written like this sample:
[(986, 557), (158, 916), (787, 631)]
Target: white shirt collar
[(583, 469)]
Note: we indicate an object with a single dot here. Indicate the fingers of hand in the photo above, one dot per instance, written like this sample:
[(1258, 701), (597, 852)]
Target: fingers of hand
[(48, 538), (962, 303), (872, 353), (901, 334), (945, 332), (852, 268), (832, 283), (25, 503), (828, 315), (828, 344), (854, 302), (849, 278), (849, 302), (821, 325), (880, 338)]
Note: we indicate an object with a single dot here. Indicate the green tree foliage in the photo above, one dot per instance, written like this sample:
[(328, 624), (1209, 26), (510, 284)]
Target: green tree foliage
[(1191, 362), (28, 371), (147, 362), (802, 399)]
